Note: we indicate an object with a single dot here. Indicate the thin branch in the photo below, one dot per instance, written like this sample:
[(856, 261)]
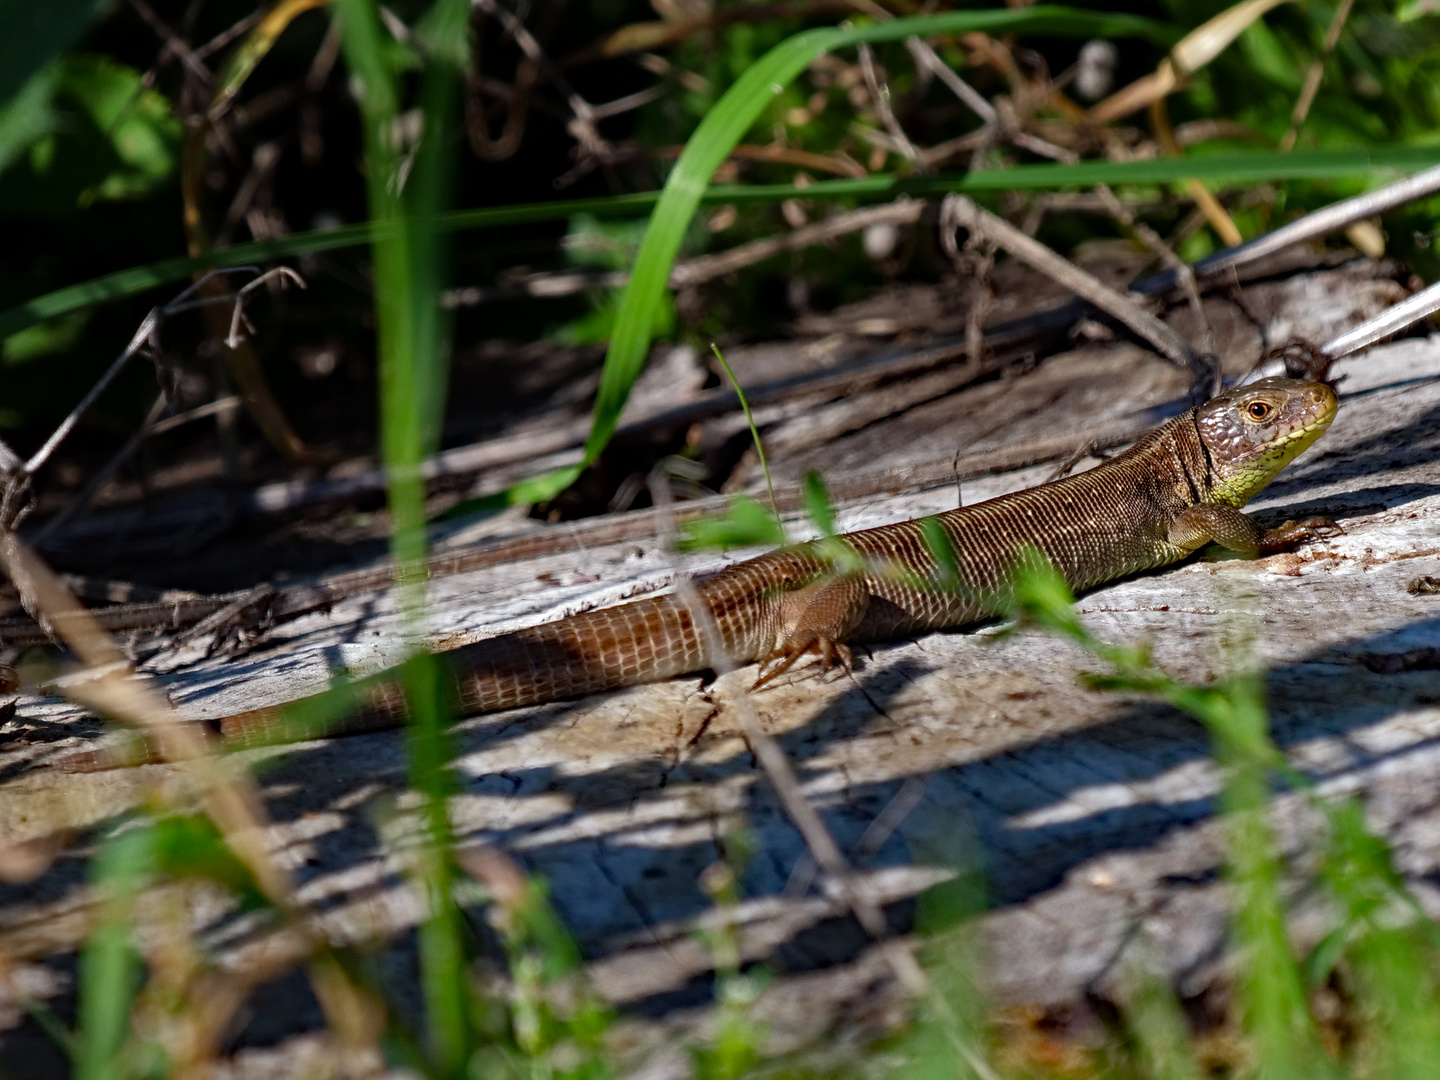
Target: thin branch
[(776, 766), (702, 268), (1322, 222), (1316, 75), (880, 95), (281, 274), (582, 127), (959, 210), (927, 57), (173, 41), (1392, 320), (1157, 245), (10, 506)]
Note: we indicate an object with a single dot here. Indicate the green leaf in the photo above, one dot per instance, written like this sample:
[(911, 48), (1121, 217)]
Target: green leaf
[(44, 339), (1410, 10), (1042, 595), (189, 846), (745, 524), (943, 552), (817, 503), (135, 120), (1267, 56), (28, 117)]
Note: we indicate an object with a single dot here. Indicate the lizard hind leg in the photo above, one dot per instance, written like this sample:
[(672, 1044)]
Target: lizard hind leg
[(816, 619)]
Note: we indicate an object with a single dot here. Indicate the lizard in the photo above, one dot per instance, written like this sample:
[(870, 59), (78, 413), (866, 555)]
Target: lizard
[(1178, 488)]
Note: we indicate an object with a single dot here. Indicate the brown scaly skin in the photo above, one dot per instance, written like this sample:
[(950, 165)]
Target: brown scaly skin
[(1178, 488)]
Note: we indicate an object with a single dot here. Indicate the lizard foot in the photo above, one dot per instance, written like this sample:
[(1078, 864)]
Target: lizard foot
[(1298, 532), (828, 649)]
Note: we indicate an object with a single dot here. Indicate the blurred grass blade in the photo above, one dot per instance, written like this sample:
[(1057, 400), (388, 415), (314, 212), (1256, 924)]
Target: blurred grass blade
[(1158, 1027), (816, 500), (414, 354), (1392, 952), (109, 963), (1274, 1003)]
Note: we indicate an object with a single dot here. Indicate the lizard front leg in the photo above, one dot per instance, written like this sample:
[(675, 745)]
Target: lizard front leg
[(817, 618), (1203, 523)]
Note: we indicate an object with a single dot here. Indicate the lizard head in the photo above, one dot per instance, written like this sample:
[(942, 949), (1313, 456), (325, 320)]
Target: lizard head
[(1254, 431)]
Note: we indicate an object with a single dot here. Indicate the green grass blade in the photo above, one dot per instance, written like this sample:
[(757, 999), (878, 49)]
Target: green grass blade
[(1391, 951), (1271, 988), (816, 500), (414, 352), (754, 431), (723, 127), (109, 963), (1227, 168)]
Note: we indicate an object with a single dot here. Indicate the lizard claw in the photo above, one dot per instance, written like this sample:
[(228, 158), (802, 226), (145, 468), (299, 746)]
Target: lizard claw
[(828, 649), (1299, 532)]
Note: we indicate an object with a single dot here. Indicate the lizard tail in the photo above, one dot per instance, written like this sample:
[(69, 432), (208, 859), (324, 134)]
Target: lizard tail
[(643, 641), (647, 640)]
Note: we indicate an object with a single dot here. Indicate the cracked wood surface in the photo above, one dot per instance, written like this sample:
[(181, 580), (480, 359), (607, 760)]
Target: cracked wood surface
[(1091, 815)]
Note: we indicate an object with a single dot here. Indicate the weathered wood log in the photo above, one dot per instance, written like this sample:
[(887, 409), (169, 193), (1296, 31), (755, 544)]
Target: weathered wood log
[(1092, 816)]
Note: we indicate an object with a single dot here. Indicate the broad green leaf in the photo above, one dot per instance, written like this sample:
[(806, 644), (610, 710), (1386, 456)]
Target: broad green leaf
[(134, 119)]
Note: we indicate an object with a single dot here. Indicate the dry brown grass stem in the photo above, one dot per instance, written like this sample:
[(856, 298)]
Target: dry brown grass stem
[(226, 793)]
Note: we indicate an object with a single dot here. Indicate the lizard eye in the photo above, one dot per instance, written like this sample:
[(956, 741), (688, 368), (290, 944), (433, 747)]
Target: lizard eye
[(1258, 410)]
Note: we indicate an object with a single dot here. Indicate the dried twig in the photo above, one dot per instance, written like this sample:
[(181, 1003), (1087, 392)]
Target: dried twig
[(703, 268), (174, 43), (958, 210), (1319, 223), (1207, 373), (591, 145), (818, 839), (927, 58), (228, 796), (880, 95), (280, 274), (1315, 75), (1392, 320), (13, 507)]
